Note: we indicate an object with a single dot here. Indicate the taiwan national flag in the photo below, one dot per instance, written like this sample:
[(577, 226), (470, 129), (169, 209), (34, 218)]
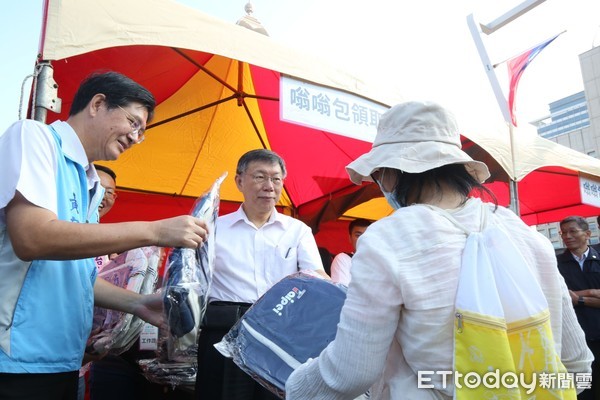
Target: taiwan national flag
[(516, 66)]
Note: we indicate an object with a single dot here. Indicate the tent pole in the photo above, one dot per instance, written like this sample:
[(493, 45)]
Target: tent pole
[(46, 92), (513, 184), (514, 197)]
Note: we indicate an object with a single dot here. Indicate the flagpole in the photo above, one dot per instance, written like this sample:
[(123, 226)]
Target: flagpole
[(510, 16), (506, 108), (503, 104), (513, 183), (489, 68)]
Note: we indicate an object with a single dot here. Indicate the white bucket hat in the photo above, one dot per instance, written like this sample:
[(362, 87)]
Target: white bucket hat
[(415, 137)]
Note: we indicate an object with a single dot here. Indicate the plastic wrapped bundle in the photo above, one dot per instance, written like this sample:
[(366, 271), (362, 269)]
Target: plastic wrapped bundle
[(173, 374), (187, 283), (292, 322), (114, 332)]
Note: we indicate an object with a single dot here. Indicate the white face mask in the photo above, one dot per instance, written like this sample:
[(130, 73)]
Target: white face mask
[(389, 196), (391, 199)]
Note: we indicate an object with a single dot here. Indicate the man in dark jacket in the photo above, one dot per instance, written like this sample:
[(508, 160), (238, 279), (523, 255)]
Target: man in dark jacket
[(579, 264)]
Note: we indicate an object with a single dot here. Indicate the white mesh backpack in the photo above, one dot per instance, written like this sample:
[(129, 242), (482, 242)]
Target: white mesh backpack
[(503, 344)]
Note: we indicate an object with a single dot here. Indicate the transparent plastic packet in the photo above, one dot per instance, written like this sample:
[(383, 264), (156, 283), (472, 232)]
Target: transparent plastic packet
[(186, 285), (133, 325), (170, 373), (291, 323), (114, 332)]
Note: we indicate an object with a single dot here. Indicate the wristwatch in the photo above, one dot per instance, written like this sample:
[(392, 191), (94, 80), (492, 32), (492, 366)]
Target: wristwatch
[(581, 301)]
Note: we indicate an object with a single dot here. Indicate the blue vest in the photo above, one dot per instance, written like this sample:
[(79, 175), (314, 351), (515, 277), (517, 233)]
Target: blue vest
[(52, 312)]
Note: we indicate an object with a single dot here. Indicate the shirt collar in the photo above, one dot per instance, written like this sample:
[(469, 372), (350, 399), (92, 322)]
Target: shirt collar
[(583, 256), (73, 149), (71, 145), (240, 215), (581, 260)]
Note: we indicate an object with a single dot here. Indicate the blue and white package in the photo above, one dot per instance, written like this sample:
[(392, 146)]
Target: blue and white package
[(187, 283), (292, 322)]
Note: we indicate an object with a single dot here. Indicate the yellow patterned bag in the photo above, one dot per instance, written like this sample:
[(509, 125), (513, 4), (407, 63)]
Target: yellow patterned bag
[(503, 345)]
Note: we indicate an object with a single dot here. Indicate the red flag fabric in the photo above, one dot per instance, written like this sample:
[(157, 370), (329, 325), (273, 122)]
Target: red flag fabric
[(516, 66)]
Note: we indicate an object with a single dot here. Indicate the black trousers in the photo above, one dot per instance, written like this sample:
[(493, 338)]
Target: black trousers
[(120, 378), (594, 392), (219, 378), (56, 386)]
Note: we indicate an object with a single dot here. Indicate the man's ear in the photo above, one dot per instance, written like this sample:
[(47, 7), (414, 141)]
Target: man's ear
[(96, 103), (238, 182)]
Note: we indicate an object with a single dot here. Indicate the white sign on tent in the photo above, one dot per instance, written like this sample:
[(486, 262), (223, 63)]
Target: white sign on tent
[(590, 191), (329, 109)]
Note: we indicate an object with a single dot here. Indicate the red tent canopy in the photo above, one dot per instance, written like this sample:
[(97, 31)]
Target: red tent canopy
[(219, 95)]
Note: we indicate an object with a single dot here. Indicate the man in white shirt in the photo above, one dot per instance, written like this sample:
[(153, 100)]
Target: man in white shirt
[(255, 247), (49, 236), (340, 267)]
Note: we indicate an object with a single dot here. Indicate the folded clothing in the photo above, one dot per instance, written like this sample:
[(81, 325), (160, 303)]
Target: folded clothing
[(292, 322)]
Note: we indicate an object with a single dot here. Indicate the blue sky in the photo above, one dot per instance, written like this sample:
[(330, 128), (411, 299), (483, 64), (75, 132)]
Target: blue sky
[(422, 47)]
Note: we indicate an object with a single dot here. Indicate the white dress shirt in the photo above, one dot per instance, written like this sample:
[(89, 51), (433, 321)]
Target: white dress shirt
[(340, 269), (249, 260), (31, 167), (581, 259)]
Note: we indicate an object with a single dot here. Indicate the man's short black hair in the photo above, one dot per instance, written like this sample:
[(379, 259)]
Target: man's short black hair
[(118, 89), (262, 155), (360, 222), (107, 170), (580, 221)]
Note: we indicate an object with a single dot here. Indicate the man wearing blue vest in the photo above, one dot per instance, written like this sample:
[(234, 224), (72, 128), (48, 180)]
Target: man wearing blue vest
[(49, 236)]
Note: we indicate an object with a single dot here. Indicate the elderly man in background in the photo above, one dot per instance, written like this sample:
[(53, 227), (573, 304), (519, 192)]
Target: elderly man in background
[(579, 264)]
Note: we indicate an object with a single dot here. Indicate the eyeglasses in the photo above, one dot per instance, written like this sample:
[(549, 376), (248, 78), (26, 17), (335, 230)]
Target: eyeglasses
[(136, 127), (260, 179), (571, 232), (111, 194)]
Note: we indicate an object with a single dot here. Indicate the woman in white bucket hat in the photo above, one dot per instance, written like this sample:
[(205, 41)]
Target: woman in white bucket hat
[(395, 335)]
